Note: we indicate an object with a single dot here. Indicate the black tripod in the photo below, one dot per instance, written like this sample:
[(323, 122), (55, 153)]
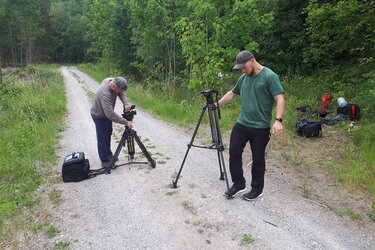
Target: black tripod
[(128, 137), (214, 116)]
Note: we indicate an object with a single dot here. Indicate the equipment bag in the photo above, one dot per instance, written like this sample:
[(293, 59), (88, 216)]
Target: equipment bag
[(313, 130), (351, 111), (326, 100), (308, 128), (75, 167), (354, 112)]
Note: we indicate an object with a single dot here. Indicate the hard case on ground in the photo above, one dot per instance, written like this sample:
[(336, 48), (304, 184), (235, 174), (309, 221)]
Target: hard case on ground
[(75, 167)]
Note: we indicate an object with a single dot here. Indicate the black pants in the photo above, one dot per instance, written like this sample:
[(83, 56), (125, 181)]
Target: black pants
[(258, 139)]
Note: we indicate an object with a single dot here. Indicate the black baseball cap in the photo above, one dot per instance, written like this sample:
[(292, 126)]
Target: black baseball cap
[(242, 58)]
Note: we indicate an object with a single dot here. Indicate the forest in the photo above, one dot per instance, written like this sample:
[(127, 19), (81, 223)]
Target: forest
[(193, 43)]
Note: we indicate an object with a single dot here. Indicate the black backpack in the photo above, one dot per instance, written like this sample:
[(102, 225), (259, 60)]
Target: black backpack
[(351, 111), (308, 128)]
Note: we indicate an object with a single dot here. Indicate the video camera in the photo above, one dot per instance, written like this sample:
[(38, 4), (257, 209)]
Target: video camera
[(129, 115), (208, 94)]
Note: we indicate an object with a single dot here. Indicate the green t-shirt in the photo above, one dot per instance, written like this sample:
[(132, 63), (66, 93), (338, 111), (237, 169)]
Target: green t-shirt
[(257, 98)]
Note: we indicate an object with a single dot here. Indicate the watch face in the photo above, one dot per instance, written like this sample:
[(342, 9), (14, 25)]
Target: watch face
[(279, 119)]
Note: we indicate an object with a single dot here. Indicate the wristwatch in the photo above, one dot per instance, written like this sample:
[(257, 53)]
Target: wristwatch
[(279, 119)]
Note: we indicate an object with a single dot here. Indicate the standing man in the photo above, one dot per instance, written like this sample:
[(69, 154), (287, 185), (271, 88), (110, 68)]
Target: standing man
[(103, 114), (258, 87)]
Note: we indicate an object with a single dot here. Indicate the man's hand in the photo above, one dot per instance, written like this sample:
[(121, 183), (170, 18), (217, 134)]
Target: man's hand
[(130, 124), (277, 128), (127, 107)]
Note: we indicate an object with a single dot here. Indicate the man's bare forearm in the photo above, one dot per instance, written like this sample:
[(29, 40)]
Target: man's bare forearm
[(227, 98)]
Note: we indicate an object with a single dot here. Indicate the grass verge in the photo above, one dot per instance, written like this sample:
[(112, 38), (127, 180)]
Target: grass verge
[(32, 105)]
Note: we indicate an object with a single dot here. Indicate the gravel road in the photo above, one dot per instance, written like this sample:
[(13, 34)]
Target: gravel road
[(135, 208)]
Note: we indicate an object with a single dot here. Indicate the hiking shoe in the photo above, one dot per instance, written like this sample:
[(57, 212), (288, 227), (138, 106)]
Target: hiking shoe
[(252, 195), (234, 190)]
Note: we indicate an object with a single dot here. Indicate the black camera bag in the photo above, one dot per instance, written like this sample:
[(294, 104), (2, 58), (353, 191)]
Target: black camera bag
[(308, 128), (313, 130), (75, 167)]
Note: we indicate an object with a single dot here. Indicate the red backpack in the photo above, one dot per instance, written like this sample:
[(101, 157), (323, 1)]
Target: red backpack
[(326, 100), (351, 111)]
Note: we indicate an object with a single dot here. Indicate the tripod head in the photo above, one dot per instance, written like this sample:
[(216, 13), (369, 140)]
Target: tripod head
[(129, 115), (210, 99), (208, 94)]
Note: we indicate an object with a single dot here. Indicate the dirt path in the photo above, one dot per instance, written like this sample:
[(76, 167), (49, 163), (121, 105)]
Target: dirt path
[(135, 208)]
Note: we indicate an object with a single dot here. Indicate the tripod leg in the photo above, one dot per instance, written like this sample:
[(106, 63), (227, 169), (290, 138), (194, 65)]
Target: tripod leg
[(225, 173), (143, 148), (221, 169), (130, 141), (215, 132), (212, 125), (121, 144), (174, 183), (219, 145)]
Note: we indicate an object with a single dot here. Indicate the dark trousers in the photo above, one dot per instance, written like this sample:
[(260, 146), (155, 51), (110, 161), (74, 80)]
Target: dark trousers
[(103, 136), (258, 139)]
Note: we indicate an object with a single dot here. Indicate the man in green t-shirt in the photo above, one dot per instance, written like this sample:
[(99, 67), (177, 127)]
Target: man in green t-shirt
[(259, 87)]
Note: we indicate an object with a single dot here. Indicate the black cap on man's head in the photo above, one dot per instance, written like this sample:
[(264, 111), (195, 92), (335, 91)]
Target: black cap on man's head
[(120, 83), (242, 58)]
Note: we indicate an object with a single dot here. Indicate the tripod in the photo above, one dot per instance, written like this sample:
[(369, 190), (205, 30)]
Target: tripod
[(214, 116), (128, 137)]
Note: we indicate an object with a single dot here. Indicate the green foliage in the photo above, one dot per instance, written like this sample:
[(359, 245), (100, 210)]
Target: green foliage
[(30, 118), (341, 31), (282, 48), (209, 42)]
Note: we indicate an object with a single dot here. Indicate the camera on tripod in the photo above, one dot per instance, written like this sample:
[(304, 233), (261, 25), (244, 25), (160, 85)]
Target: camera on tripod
[(208, 94), (129, 115), (130, 137)]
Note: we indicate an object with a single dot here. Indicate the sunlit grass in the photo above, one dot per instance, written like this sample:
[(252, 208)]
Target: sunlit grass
[(32, 105)]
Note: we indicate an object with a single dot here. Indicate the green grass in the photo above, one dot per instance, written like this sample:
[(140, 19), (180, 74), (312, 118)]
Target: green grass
[(96, 71), (305, 191), (350, 214), (32, 105), (246, 239), (188, 206)]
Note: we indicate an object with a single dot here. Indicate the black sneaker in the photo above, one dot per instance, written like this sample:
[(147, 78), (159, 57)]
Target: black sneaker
[(234, 190), (252, 195)]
